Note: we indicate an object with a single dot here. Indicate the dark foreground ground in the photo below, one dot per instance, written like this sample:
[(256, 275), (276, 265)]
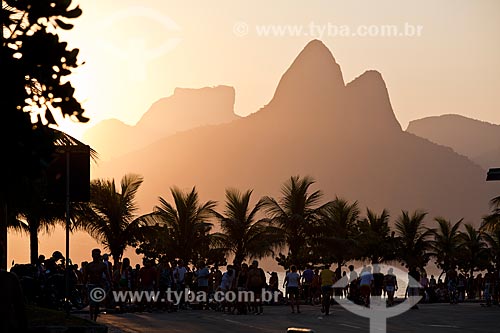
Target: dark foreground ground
[(465, 317)]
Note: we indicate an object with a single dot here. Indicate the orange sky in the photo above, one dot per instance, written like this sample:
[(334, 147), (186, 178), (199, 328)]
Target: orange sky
[(136, 52)]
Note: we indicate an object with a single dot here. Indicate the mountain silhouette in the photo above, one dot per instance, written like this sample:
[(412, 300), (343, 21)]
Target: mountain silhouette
[(345, 136), (478, 140), (185, 109)]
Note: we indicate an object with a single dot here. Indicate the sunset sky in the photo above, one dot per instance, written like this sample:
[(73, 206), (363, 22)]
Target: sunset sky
[(136, 52)]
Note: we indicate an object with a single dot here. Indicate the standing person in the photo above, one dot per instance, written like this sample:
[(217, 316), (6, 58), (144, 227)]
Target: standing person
[(96, 275), (273, 282), (496, 286), (461, 284), (366, 284), (292, 285), (108, 301), (189, 279), (345, 283), (164, 281), (179, 280), (12, 306), (326, 280), (487, 285), (256, 282), (339, 290), (217, 276), (413, 286), (378, 281), (55, 264), (117, 268), (225, 286), (470, 286), (390, 286), (316, 288), (307, 277), (135, 277), (126, 281), (479, 283), (233, 276), (241, 282), (353, 284), (452, 282), (147, 281), (201, 275), (273, 285), (424, 283), (40, 266), (105, 260)]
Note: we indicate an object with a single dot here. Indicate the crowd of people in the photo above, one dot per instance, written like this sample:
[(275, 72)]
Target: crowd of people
[(313, 286), (459, 287)]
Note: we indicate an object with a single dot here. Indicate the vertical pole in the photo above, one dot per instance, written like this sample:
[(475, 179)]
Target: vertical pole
[(67, 289), (3, 234), (3, 196)]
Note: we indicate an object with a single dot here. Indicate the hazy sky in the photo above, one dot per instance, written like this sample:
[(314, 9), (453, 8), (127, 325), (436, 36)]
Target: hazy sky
[(138, 51)]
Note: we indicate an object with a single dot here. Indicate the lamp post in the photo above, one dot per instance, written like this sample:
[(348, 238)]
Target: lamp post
[(67, 304), (493, 174), (68, 181), (3, 196)]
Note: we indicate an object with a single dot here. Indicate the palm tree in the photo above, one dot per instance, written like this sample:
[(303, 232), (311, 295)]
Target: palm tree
[(39, 216), (339, 230), (492, 221), (110, 215), (446, 243), (413, 239), (296, 213), (473, 250), (376, 242), (493, 240), (35, 211), (242, 234), (184, 225)]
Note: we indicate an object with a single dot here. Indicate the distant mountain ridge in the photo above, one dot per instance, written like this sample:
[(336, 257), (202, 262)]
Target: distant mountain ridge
[(478, 140), (185, 109), (345, 136)]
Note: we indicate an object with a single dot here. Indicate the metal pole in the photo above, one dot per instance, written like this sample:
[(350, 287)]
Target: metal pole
[(67, 289), (3, 235), (3, 196)]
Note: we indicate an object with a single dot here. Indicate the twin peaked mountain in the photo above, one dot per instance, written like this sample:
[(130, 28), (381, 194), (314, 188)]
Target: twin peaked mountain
[(346, 136)]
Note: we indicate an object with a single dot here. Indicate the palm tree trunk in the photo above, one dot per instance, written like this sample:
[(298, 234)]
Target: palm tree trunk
[(117, 256), (238, 258), (33, 227), (3, 235)]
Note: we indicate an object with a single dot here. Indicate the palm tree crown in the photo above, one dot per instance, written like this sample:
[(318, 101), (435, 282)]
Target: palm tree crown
[(413, 239), (375, 239), (338, 230), (296, 213), (473, 250), (446, 243), (110, 216), (184, 225), (242, 234), (492, 221)]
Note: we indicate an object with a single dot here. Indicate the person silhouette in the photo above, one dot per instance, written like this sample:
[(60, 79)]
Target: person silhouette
[(12, 307)]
